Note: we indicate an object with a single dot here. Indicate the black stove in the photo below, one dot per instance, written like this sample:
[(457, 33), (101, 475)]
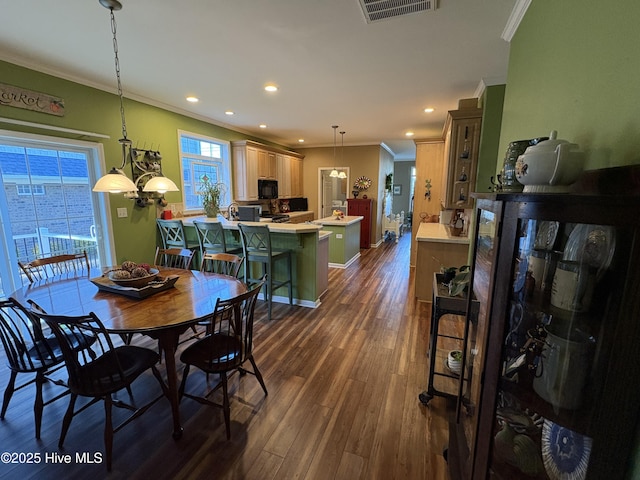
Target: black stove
[(276, 217)]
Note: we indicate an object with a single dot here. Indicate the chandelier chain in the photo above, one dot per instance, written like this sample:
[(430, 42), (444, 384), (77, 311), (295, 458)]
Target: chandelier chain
[(117, 65)]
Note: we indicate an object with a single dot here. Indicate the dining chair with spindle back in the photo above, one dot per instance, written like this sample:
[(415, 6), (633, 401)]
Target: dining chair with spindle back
[(101, 375), (228, 345), (223, 263), (174, 257), (56, 265), (31, 349)]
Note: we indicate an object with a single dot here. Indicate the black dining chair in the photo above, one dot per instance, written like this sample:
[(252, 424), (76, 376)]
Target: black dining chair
[(29, 350), (100, 376), (228, 345)]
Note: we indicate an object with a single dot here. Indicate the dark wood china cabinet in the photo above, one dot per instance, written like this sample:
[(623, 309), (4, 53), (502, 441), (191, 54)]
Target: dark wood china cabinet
[(551, 368)]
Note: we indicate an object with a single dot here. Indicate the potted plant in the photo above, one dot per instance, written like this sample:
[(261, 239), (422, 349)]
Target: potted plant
[(454, 361), (211, 194)]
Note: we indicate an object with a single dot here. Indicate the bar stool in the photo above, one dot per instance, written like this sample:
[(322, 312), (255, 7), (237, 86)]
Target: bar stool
[(172, 233), (256, 244), (211, 238)]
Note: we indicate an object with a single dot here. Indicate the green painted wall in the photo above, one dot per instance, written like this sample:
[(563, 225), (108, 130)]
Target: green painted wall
[(492, 105), (92, 110), (574, 68)]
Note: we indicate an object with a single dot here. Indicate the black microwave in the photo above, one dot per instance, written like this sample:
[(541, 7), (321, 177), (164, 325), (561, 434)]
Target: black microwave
[(267, 189)]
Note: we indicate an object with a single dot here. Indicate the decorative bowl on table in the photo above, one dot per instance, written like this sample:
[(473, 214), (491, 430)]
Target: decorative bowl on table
[(134, 278)]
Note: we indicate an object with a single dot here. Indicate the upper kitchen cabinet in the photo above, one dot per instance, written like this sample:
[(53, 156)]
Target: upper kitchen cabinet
[(266, 165), (461, 147), (253, 161)]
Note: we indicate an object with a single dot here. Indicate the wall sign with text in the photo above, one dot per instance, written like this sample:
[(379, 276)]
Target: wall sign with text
[(11, 96)]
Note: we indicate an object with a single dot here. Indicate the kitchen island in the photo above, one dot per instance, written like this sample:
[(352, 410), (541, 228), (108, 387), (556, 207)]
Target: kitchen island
[(307, 243), (437, 247), (344, 242)]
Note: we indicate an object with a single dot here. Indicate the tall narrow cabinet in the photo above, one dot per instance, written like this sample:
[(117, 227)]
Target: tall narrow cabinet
[(362, 207), (550, 379)]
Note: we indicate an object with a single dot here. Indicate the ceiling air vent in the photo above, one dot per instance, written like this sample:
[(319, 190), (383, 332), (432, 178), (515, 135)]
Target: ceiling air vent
[(376, 10)]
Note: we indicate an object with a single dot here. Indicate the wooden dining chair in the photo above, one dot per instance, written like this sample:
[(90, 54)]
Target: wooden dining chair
[(223, 263), (174, 257), (225, 349), (100, 375), (65, 264), (31, 349)]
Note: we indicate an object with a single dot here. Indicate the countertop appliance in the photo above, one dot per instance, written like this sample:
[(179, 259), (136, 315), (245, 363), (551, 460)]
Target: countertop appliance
[(298, 205), (267, 189), (250, 213)]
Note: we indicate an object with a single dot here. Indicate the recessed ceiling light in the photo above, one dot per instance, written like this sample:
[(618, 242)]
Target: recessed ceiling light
[(271, 88), (409, 134), (429, 110), (301, 140), (262, 125), (228, 112), (193, 99)]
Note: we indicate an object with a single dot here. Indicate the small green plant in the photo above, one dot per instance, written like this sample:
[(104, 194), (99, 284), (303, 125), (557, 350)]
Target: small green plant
[(211, 194), (456, 355)]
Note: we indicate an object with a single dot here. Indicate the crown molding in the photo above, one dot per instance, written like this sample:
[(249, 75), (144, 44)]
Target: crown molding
[(519, 9)]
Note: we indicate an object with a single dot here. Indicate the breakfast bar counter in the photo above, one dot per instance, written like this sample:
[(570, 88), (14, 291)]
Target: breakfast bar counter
[(303, 239)]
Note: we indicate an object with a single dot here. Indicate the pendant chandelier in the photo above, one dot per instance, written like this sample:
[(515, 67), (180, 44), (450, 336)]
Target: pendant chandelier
[(334, 173), (342, 174), (147, 174)]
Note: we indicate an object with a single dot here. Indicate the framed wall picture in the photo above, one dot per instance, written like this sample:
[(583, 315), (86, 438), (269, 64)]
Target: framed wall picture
[(397, 189)]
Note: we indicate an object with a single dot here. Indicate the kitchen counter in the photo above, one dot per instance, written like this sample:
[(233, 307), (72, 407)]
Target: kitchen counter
[(437, 248), (300, 217), (332, 220), (344, 239), (438, 232)]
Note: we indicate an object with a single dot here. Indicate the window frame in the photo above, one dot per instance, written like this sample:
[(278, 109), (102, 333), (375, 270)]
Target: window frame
[(223, 165)]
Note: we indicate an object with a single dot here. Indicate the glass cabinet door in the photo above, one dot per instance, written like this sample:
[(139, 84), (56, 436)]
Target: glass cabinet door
[(478, 308), (558, 322)]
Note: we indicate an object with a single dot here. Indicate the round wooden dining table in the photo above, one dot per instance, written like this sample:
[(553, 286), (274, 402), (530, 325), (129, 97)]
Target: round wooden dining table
[(163, 315)]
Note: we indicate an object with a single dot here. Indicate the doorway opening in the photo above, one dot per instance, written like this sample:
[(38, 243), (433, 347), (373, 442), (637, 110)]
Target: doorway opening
[(332, 191)]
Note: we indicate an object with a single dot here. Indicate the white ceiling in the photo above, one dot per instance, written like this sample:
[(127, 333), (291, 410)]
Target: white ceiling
[(331, 67)]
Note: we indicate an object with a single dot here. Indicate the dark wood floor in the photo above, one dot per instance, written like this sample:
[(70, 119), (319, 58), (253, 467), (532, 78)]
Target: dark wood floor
[(343, 384)]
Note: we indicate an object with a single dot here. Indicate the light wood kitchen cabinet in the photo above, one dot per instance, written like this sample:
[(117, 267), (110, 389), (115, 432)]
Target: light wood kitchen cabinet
[(245, 172), (296, 177), (266, 165), (283, 175), (461, 147), (253, 161)]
